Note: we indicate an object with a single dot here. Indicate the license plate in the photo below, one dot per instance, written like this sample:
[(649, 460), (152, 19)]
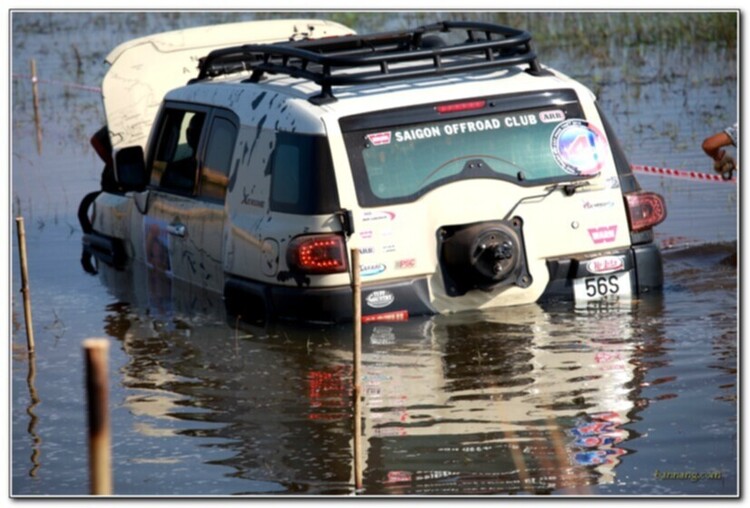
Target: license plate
[(602, 287)]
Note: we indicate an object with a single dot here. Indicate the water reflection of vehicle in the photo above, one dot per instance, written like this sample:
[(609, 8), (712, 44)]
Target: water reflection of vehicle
[(521, 399), (192, 373)]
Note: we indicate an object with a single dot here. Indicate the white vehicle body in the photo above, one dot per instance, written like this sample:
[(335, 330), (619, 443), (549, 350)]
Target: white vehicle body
[(307, 174)]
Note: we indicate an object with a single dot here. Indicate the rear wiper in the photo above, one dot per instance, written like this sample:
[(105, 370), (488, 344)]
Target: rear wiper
[(474, 161), (569, 188)]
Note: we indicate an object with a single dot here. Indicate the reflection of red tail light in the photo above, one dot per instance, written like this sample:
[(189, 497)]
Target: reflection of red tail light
[(645, 210), (398, 477), (329, 393)]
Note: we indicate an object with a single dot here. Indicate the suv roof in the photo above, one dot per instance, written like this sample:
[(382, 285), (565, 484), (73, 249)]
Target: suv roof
[(406, 65), (382, 57)]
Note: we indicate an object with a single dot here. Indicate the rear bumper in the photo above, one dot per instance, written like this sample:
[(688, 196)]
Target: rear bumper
[(392, 301), (645, 261), (398, 300)]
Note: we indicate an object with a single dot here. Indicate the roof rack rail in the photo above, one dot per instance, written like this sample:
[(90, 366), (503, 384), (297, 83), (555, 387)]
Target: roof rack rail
[(380, 57)]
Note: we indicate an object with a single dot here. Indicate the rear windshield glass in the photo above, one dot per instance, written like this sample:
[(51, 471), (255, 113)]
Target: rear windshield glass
[(529, 146)]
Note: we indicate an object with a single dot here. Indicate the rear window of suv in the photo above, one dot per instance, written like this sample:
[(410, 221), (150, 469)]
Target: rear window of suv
[(528, 139)]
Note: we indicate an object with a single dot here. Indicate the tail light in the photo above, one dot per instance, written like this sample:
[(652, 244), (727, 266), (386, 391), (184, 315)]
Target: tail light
[(317, 254), (455, 107), (645, 210)]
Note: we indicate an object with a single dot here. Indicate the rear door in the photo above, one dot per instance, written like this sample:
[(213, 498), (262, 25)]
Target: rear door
[(183, 227), (536, 163)]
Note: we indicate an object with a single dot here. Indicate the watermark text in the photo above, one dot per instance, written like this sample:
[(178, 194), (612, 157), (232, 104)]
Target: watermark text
[(692, 476)]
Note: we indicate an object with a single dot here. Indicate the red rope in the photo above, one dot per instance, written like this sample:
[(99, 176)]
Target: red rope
[(678, 173)]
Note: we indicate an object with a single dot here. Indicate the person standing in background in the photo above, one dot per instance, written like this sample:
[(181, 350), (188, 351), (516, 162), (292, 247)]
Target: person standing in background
[(714, 148)]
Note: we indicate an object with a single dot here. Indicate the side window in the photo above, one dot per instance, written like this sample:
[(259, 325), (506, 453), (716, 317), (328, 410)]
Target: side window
[(218, 159), (175, 162), (285, 189), (302, 179)]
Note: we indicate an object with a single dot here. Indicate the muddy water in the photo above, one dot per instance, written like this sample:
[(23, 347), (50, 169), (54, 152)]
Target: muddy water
[(601, 400)]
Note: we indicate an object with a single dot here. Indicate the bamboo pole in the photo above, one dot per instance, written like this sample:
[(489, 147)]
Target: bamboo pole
[(100, 458), (21, 229), (35, 93), (357, 323)]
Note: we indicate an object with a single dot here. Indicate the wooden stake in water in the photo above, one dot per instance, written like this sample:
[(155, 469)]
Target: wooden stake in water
[(35, 93), (100, 459), (357, 324), (21, 229)]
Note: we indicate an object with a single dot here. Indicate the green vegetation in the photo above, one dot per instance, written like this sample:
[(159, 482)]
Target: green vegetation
[(565, 29), (575, 28)]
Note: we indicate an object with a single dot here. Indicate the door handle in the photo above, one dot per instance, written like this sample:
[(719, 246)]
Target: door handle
[(177, 229)]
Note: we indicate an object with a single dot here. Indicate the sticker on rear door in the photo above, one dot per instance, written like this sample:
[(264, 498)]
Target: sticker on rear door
[(551, 116), (371, 269), (603, 234), (379, 138), (579, 148)]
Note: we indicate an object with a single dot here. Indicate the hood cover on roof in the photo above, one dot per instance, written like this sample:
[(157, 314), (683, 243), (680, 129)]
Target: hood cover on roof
[(143, 70)]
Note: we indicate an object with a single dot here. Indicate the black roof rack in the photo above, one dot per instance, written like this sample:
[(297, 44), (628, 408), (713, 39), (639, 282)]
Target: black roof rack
[(381, 57)]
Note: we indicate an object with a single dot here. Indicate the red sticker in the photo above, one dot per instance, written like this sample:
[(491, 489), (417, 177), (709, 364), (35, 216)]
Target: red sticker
[(406, 263), (606, 264), (398, 315), (379, 138), (603, 234)]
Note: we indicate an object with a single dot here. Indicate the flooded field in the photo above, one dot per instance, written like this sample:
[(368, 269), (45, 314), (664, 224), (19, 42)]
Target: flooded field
[(629, 400)]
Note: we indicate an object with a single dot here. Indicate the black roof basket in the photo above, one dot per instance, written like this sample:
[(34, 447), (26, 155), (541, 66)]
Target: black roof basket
[(374, 58)]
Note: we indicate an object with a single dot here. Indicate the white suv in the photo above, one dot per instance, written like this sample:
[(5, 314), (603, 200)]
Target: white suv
[(466, 174)]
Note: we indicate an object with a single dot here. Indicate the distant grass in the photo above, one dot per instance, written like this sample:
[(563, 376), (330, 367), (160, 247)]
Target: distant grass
[(629, 28), (583, 29), (576, 28)]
